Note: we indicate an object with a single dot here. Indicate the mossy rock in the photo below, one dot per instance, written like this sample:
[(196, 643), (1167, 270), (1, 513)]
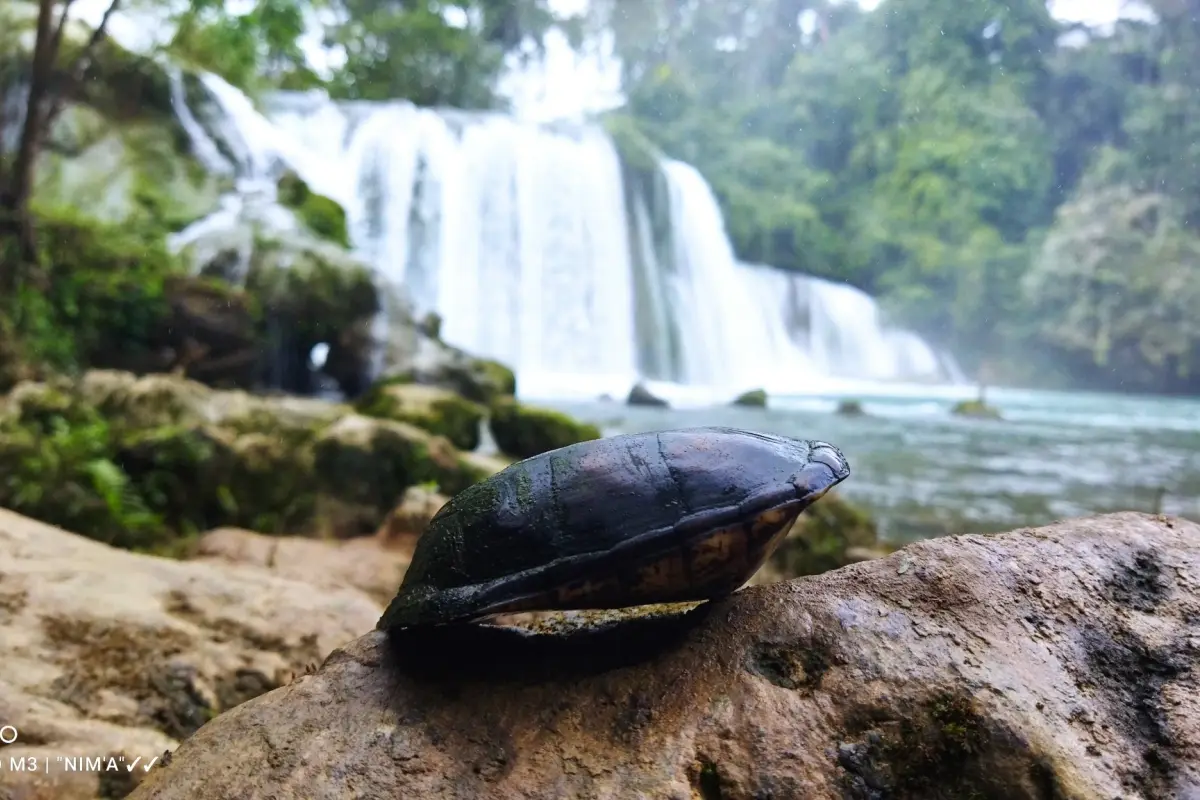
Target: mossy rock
[(145, 463), (363, 465), (480, 380), (850, 408), (639, 395), (432, 408), (524, 431), (976, 409), (826, 536), (755, 398), (320, 214), (310, 293), (103, 294)]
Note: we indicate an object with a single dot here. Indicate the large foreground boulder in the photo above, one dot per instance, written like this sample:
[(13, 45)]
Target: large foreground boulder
[(108, 653), (1057, 662)]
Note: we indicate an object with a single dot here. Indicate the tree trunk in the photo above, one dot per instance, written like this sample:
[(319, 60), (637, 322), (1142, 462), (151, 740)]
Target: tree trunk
[(14, 199)]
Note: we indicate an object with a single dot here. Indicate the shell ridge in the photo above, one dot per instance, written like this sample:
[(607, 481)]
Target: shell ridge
[(673, 474)]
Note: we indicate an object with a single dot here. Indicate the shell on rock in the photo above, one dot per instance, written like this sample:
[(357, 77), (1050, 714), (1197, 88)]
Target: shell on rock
[(637, 519)]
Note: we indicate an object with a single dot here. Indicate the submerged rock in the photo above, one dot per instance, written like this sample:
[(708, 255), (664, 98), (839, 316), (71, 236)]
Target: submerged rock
[(111, 653), (1055, 662), (850, 408)]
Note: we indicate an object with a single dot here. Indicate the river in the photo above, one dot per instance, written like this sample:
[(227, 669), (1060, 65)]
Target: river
[(924, 472)]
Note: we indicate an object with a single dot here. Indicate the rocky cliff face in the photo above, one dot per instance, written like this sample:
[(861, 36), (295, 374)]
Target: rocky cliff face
[(1058, 662)]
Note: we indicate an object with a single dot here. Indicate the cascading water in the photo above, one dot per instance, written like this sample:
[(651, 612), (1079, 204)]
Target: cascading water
[(840, 328), (525, 240)]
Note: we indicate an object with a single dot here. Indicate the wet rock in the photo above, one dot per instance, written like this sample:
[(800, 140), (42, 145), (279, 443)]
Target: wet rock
[(111, 653), (1053, 662), (639, 395)]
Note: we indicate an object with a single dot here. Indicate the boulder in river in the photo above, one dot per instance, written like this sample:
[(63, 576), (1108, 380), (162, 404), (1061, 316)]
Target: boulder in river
[(639, 395), (1057, 662)]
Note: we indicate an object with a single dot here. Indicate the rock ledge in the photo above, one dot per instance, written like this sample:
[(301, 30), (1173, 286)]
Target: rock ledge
[(1055, 662)]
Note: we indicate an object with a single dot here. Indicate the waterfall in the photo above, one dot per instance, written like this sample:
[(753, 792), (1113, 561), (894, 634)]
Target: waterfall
[(840, 329), (534, 248)]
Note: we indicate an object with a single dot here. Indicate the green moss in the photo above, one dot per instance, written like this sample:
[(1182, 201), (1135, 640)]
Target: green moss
[(436, 410), (101, 299), (122, 84), (977, 409), (363, 467), (310, 292), (634, 147), (149, 463), (523, 431), (936, 754), (756, 398), (319, 214), (479, 380)]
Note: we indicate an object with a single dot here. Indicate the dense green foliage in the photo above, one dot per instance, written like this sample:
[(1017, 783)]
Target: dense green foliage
[(949, 157), (101, 294)]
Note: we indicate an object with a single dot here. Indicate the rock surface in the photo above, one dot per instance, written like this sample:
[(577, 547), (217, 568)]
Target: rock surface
[(363, 563), (1056, 662), (109, 652)]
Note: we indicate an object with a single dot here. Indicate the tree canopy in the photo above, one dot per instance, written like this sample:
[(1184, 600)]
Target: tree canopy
[(950, 157)]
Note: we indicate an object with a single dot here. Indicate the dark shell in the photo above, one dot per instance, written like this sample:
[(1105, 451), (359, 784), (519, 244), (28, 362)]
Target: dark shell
[(571, 513)]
